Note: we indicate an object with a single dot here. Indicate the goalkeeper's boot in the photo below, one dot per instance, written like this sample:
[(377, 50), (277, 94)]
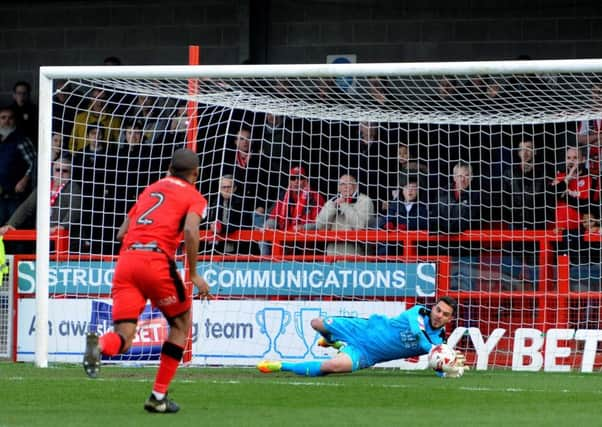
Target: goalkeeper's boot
[(92, 356), (323, 342), (267, 366), (163, 406)]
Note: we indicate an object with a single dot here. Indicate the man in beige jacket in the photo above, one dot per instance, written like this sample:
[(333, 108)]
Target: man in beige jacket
[(348, 210)]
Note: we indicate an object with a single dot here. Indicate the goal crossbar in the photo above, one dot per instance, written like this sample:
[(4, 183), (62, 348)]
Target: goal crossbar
[(327, 70)]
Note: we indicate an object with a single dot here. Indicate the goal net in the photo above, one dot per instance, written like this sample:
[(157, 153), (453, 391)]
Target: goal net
[(333, 190)]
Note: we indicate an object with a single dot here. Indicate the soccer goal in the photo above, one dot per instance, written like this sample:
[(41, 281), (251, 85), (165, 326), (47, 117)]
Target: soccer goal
[(339, 189)]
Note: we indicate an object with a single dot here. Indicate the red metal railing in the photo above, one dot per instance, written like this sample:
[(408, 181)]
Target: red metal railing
[(60, 238), (551, 296)]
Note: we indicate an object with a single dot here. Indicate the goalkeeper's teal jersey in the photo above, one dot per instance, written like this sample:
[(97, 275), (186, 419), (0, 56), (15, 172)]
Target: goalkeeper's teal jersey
[(383, 338)]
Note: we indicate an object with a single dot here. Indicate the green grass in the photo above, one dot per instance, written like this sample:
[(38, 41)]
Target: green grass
[(62, 396)]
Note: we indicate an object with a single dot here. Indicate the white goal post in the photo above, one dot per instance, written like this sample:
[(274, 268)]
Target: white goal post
[(397, 96)]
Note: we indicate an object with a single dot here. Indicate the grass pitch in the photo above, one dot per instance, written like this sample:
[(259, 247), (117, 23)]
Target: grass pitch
[(63, 396)]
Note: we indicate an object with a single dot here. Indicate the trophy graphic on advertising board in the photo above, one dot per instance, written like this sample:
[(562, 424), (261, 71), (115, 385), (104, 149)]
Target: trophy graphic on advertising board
[(303, 327), (272, 322)]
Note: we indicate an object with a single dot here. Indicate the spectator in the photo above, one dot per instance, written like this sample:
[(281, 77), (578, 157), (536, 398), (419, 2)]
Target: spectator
[(96, 114), (447, 87), (524, 190), (95, 140), (297, 206), (147, 111), (26, 112), (64, 102), (57, 146), (65, 205), (370, 91), (406, 169), (244, 164), (369, 158), (585, 256), (17, 165), (94, 169), (278, 149), (458, 207), (457, 210), (177, 123), (524, 200), (118, 102), (405, 213), (93, 159), (348, 210), (574, 188), (85, 162), (136, 167), (225, 217), (589, 134)]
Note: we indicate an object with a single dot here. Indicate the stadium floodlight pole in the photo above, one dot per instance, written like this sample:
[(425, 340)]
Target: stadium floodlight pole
[(43, 220)]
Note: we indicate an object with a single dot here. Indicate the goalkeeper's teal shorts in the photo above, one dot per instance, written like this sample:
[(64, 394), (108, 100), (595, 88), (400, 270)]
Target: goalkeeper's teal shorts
[(358, 357), (350, 330)]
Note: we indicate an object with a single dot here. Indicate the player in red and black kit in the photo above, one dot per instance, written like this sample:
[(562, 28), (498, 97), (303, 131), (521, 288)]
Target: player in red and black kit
[(165, 212)]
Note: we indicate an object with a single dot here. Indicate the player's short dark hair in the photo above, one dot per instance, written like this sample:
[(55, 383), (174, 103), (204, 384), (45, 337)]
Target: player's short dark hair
[(451, 302), (183, 161)]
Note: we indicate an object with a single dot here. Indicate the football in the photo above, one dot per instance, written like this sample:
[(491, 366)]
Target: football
[(442, 357)]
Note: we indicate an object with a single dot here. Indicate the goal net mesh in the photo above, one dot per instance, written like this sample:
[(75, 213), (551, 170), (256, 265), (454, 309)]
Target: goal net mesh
[(345, 195)]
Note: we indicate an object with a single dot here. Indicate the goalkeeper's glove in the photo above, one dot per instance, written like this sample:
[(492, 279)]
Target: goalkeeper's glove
[(460, 360), (452, 372), (455, 371)]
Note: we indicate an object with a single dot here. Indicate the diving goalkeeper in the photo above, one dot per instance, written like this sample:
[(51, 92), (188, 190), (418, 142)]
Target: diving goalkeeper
[(366, 342)]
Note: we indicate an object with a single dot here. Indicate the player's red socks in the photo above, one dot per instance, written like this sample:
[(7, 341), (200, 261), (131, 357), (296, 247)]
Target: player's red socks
[(171, 354), (111, 343)]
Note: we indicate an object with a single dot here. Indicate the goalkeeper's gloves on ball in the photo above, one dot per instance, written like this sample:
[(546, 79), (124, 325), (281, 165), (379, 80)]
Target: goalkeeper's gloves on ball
[(455, 371)]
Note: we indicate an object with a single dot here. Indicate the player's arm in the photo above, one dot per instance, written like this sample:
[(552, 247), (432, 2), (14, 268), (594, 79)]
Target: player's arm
[(416, 320), (191, 244), (123, 229)]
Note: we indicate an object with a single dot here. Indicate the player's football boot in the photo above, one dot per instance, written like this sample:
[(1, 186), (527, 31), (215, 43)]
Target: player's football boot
[(267, 366), (92, 356), (163, 406), (322, 342)]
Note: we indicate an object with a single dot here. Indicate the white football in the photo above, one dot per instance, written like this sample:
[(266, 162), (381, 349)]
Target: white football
[(442, 357)]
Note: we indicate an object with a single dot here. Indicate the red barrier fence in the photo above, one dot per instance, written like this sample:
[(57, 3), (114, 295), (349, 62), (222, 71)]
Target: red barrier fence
[(550, 304)]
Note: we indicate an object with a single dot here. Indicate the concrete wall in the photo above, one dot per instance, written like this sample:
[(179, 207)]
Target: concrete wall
[(35, 33)]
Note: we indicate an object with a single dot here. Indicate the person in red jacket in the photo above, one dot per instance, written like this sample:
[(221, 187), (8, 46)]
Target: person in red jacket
[(297, 206), (165, 213), (574, 187)]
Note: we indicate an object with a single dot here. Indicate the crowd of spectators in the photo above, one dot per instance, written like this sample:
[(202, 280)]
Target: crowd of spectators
[(270, 171)]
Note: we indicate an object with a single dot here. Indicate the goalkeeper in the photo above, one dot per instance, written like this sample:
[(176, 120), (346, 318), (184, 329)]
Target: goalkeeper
[(366, 342)]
